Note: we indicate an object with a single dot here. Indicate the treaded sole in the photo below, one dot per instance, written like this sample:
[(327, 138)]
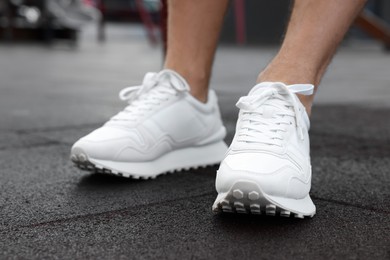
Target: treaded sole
[(90, 167), (178, 160), (245, 197)]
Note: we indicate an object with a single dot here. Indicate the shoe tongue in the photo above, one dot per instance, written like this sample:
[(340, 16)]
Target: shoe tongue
[(261, 86), (172, 78), (269, 107)]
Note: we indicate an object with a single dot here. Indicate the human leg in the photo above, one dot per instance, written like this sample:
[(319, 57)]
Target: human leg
[(314, 32), (267, 169), (193, 30), (172, 121)]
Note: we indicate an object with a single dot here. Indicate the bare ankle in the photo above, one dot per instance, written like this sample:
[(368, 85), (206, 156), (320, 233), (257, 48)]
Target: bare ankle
[(201, 96), (197, 81), (198, 87), (307, 102), (289, 78)]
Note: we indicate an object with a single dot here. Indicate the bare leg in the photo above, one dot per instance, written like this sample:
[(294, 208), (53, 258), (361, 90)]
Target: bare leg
[(314, 32), (193, 31)]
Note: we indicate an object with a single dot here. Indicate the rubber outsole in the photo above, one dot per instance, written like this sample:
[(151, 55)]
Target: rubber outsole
[(178, 160), (90, 167), (245, 197)]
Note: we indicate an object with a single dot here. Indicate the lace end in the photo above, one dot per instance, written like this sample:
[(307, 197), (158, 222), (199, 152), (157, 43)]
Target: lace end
[(303, 89)]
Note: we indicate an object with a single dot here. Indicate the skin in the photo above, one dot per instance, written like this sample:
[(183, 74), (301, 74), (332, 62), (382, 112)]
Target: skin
[(193, 32), (314, 32)]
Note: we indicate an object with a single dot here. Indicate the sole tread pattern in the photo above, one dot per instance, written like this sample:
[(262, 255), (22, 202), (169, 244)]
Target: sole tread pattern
[(239, 201), (81, 162)]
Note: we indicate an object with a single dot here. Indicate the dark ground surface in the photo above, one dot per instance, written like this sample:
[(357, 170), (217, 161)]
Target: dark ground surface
[(49, 209)]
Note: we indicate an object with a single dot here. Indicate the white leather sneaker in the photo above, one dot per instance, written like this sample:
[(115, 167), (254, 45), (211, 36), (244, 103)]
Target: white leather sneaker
[(164, 128), (267, 167)]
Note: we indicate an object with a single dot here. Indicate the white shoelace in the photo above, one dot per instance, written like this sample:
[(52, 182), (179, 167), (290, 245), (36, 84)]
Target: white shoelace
[(155, 89), (266, 114)]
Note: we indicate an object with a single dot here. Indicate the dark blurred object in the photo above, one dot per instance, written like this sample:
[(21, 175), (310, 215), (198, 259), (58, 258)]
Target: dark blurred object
[(164, 25), (146, 12), (381, 9), (375, 27), (264, 21), (129, 10), (45, 20), (373, 22)]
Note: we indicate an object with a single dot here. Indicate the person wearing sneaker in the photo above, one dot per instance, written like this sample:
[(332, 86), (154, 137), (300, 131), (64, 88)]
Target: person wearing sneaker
[(172, 120), (164, 128)]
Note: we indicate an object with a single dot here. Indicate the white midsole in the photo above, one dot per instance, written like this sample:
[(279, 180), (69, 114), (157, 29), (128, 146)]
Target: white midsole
[(178, 159)]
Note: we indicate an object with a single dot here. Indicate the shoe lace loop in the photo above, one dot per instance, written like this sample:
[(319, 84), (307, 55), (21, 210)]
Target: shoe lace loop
[(155, 88), (132, 92), (262, 121)]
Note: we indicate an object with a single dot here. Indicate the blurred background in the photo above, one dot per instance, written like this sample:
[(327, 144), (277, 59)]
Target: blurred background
[(247, 22), (64, 55)]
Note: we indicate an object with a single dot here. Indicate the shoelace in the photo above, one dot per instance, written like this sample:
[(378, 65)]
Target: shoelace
[(155, 88), (257, 127)]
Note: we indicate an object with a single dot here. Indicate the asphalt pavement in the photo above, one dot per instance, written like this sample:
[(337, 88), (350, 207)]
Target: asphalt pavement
[(51, 96)]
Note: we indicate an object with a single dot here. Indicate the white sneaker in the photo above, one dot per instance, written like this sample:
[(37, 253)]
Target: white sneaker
[(267, 167), (164, 128)]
